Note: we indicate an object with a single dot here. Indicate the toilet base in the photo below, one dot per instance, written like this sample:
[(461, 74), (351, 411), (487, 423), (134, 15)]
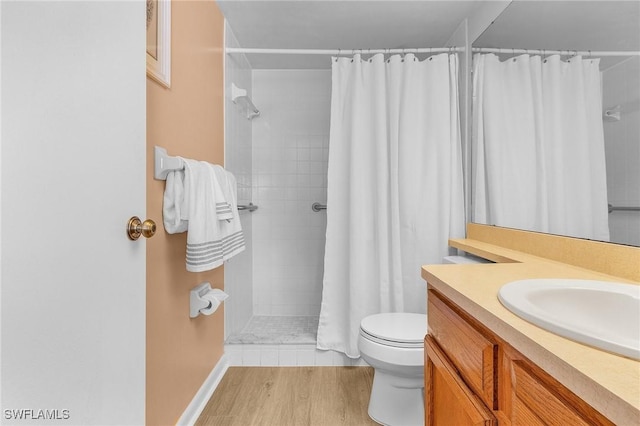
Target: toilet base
[(396, 401)]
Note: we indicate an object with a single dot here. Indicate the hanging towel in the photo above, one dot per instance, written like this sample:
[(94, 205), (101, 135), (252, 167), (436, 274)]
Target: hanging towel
[(195, 202), (174, 221), (234, 242)]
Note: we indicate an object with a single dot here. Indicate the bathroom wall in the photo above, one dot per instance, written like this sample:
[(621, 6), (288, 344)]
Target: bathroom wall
[(187, 120), (239, 271), (290, 151), (621, 86)]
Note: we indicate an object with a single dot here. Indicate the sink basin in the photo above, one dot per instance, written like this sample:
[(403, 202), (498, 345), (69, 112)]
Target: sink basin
[(602, 314)]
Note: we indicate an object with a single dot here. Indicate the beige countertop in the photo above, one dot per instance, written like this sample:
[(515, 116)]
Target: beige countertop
[(608, 382)]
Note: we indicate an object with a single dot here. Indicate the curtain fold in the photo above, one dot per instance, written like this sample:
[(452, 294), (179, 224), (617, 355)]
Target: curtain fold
[(538, 145), (394, 192)]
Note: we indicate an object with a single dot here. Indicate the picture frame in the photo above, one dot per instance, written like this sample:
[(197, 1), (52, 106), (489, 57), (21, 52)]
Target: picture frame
[(159, 41)]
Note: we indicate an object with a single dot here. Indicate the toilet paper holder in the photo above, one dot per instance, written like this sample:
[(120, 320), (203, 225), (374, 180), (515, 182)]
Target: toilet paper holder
[(205, 300)]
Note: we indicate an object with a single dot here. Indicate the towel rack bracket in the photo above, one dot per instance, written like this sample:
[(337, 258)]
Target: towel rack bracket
[(163, 163)]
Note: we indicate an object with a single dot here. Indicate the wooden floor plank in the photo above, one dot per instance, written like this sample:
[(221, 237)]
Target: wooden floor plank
[(290, 396)]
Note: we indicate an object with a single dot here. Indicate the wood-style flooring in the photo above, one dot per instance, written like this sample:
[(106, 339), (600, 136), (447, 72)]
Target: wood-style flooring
[(290, 396)]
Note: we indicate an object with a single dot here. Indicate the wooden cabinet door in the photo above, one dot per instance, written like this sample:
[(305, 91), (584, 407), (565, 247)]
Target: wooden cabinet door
[(448, 400), (472, 352), (540, 400)]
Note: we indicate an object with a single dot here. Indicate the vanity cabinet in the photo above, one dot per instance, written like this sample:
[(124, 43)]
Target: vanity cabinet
[(448, 400), (472, 377)]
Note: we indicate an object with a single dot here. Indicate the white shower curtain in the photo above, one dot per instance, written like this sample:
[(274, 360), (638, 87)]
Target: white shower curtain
[(538, 145), (394, 188)]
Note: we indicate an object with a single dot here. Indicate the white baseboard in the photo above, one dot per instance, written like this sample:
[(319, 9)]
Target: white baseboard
[(201, 398)]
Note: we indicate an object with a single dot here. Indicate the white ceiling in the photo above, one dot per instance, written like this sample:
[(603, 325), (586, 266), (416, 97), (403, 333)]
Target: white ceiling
[(362, 24), (567, 25), (354, 24)]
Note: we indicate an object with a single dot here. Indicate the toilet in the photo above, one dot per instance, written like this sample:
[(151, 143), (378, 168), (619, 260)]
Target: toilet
[(393, 344)]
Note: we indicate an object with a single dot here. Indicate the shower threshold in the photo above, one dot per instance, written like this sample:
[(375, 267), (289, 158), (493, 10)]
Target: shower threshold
[(277, 330)]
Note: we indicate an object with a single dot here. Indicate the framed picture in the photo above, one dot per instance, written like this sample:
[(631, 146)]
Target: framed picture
[(159, 41)]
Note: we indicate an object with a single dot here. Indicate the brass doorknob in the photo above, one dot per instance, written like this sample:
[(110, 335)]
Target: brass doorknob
[(136, 227)]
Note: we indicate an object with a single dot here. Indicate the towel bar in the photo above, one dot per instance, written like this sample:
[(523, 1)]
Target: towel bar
[(316, 207), (250, 207), (164, 164), (628, 209)]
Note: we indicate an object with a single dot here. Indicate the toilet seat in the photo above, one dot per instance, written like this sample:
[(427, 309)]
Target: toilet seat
[(395, 329)]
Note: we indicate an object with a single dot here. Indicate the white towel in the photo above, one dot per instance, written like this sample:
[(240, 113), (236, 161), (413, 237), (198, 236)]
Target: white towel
[(194, 201), (234, 243), (174, 221)]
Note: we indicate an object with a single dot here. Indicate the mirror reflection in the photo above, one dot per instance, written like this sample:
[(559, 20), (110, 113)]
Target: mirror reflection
[(559, 131)]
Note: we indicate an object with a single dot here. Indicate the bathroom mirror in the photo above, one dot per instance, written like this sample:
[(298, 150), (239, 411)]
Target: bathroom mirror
[(591, 26)]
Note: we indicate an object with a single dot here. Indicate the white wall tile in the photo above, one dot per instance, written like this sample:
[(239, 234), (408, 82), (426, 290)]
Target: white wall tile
[(326, 358), (251, 357), (269, 358), (287, 356), (306, 357), (289, 167), (234, 354)]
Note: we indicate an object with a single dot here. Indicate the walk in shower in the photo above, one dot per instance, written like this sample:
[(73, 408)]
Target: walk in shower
[(280, 161)]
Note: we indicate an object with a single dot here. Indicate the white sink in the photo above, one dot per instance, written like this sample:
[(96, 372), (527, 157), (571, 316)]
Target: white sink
[(602, 314)]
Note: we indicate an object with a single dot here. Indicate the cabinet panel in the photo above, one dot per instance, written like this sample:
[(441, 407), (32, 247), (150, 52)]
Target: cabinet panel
[(473, 354), (536, 399), (448, 400)]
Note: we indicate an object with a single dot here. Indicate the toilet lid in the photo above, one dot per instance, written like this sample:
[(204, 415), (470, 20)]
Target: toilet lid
[(396, 328)]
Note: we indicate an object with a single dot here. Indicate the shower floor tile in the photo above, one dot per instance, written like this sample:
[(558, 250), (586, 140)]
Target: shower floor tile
[(278, 330)]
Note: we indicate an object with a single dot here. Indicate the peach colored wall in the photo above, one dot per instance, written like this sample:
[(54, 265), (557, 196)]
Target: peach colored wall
[(187, 120)]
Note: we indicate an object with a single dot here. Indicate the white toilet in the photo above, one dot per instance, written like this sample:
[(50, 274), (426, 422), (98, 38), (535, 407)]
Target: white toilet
[(393, 344)]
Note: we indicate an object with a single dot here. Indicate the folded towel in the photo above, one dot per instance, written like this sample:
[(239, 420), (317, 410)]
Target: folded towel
[(195, 201)]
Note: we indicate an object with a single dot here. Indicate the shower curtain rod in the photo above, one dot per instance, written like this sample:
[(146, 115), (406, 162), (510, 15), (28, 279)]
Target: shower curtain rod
[(339, 51), (426, 50), (556, 52)]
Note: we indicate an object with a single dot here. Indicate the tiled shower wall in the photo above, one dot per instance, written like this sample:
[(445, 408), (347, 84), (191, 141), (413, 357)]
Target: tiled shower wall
[(621, 86), (290, 151), (238, 271)]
